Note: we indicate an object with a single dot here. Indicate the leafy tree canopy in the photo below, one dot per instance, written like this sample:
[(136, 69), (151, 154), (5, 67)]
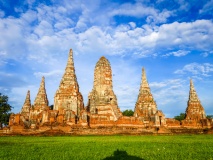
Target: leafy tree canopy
[(5, 109), (209, 116), (128, 112), (51, 107), (180, 117)]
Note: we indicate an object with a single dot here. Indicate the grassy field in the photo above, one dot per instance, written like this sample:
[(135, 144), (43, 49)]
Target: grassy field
[(108, 147)]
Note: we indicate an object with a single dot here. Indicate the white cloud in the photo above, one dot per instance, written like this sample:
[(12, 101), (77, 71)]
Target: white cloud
[(30, 2), (184, 5), (44, 28), (196, 69), (53, 73), (208, 7), (186, 35), (178, 53), (132, 24), (206, 54), (2, 14), (171, 95), (51, 29), (139, 10)]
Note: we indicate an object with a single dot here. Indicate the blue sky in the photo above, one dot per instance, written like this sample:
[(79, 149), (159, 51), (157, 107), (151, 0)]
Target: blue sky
[(172, 39)]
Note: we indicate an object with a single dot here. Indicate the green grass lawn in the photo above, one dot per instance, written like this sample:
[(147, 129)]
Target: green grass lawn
[(108, 147)]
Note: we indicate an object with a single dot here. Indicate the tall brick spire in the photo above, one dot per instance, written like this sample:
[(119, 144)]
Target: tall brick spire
[(194, 108), (144, 84), (102, 99), (68, 96), (192, 93), (41, 101), (27, 104), (145, 105)]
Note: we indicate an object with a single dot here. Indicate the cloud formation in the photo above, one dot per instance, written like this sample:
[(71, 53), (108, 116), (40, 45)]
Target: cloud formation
[(204, 69), (174, 43)]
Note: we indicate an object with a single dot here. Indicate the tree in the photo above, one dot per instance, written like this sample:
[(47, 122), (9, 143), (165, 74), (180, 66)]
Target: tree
[(180, 117), (209, 116), (5, 109), (128, 112), (51, 107)]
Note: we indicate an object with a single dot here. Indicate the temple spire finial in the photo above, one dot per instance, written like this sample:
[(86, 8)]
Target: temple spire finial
[(192, 92), (27, 100), (70, 62), (27, 103), (144, 82), (41, 100)]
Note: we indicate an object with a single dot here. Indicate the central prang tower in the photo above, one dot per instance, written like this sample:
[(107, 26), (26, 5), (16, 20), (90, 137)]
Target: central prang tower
[(102, 100)]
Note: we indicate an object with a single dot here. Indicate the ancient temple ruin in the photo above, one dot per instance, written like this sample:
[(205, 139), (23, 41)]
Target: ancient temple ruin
[(101, 100), (25, 111), (195, 114), (41, 101), (102, 114), (146, 106), (194, 108), (68, 100)]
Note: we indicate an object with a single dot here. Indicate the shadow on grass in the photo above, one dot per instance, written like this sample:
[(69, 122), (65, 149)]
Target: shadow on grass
[(119, 155)]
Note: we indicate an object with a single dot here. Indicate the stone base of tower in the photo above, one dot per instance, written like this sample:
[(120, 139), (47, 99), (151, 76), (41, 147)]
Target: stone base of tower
[(103, 128), (202, 123), (173, 123)]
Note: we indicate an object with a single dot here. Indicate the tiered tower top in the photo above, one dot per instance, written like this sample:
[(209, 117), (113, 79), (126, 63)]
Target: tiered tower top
[(69, 78), (27, 100), (102, 75), (144, 87), (41, 100), (27, 103), (192, 93)]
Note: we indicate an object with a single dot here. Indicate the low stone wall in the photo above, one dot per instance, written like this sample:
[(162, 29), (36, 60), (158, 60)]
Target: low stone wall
[(102, 130)]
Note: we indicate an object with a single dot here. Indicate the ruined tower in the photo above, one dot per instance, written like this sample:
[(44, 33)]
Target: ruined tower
[(102, 99), (145, 105), (41, 101), (68, 97), (194, 110), (27, 105)]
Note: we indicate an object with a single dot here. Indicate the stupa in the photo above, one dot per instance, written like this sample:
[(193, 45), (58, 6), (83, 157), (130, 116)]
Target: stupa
[(41, 101), (102, 100), (27, 105), (194, 110), (68, 97), (145, 105)]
